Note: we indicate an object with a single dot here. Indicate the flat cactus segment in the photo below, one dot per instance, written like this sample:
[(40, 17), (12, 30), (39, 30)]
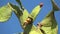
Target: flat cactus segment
[(35, 12), (5, 13), (49, 24), (48, 19)]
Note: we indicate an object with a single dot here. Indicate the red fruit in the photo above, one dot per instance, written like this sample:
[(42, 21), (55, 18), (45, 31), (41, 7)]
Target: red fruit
[(41, 4)]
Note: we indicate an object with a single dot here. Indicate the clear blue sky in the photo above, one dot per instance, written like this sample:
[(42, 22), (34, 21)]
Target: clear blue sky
[(13, 25)]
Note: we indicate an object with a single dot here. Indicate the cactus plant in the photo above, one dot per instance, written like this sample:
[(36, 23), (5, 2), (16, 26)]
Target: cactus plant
[(47, 26)]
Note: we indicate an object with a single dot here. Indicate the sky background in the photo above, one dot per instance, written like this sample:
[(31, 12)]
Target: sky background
[(13, 26)]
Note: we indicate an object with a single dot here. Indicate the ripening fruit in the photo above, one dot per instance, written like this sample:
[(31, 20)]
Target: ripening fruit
[(41, 4), (27, 21)]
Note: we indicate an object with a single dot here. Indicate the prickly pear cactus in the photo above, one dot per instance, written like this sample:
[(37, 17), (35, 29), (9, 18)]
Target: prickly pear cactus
[(47, 26)]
